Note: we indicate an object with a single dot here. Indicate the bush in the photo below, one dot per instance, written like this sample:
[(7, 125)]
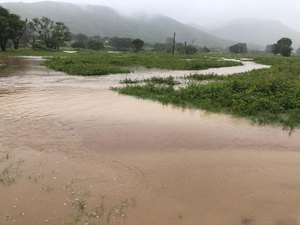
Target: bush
[(95, 45), (78, 44), (38, 46), (240, 48)]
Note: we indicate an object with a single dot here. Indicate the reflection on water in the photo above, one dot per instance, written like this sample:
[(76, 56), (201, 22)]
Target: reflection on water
[(182, 166)]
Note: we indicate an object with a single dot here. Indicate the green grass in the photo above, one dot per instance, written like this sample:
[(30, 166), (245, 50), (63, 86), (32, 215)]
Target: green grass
[(204, 77), (130, 81), (266, 96), (153, 80), (4, 69), (102, 63), (7, 69), (162, 81)]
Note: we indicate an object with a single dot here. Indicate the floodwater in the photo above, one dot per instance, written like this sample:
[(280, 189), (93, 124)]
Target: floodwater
[(74, 152)]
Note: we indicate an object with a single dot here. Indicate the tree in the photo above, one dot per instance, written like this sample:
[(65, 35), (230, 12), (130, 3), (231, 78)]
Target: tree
[(121, 44), (17, 28), (11, 27), (78, 44), (60, 34), (240, 48), (52, 34), (283, 47), (80, 37), (4, 26), (298, 51), (159, 47), (95, 45), (30, 35), (180, 48), (169, 44), (137, 44), (190, 49), (205, 50)]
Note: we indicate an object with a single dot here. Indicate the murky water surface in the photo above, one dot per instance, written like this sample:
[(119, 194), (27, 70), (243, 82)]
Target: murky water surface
[(74, 152)]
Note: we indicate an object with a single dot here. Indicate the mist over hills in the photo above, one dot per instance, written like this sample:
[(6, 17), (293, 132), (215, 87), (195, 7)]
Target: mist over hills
[(106, 22), (257, 31)]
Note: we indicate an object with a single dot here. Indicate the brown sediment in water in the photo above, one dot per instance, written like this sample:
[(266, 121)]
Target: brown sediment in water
[(72, 151)]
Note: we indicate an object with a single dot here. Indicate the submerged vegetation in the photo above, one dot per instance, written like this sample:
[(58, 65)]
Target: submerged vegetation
[(153, 80), (267, 96), (5, 69), (203, 77), (162, 81)]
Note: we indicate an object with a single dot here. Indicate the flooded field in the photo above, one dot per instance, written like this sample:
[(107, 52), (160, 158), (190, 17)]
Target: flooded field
[(74, 152)]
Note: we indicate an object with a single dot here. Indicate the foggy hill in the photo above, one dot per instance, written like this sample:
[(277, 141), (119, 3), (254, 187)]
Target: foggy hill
[(106, 22), (257, 31)]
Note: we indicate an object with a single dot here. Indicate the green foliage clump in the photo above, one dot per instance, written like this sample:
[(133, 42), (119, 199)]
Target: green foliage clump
[(95, 45), (162, 81), (121, 44), (137, 44), (129, 81), (202, 77), (11, 28), (283, 47), (47, 32), (190, 49), (78, 44), (87, 67), (240, 48)]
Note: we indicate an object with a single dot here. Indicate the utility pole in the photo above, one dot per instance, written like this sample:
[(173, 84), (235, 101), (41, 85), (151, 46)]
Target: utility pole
[(184, 47), (174, 42)]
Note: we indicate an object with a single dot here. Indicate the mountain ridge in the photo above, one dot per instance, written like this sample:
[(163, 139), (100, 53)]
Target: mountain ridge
[(107, 22)]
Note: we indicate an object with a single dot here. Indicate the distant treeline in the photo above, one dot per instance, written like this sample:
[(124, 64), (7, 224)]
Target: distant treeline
[(126, 44)]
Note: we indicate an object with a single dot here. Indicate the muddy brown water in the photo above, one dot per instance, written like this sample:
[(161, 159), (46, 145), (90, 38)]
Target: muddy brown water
[(74, 152)]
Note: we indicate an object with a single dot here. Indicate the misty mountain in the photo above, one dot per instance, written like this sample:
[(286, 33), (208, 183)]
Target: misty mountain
[(257, 31), (106, 22)]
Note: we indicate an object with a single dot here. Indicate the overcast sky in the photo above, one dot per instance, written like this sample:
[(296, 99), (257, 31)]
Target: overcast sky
[(205, 12)]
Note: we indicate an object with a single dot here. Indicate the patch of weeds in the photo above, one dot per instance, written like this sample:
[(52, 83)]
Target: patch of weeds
[(79, 204), (36, 178), (162, 81), (46, 188), (77, 219), (129, 81), (10, 218), (120, 209), (97, 212), (4, 156), (10, 173), (87, 212), (7, 69), (71, 186), (204, 77)]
